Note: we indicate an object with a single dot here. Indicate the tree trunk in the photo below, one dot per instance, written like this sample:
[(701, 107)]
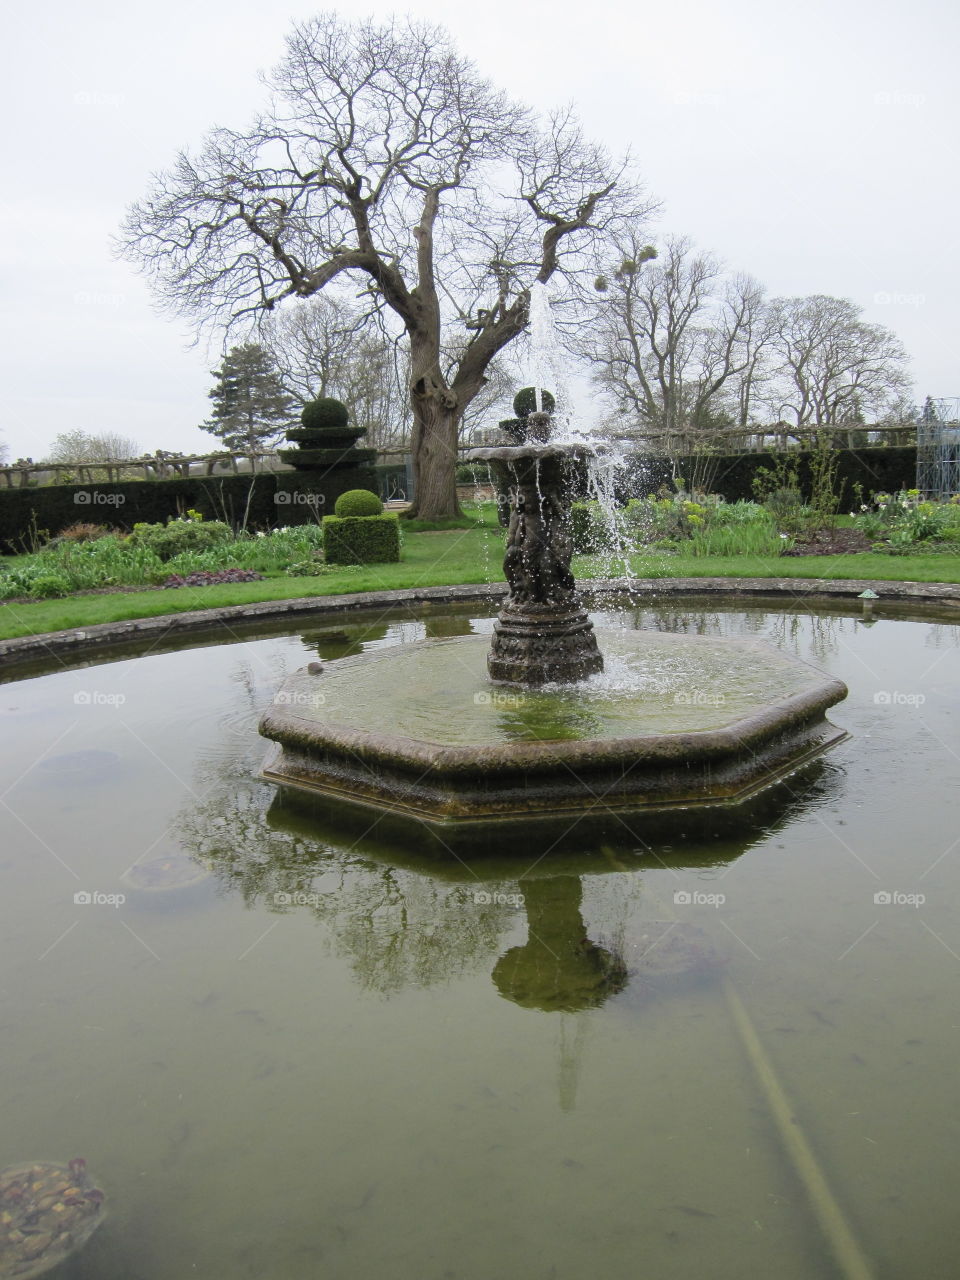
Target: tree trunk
[(436, 417), (434, 450)]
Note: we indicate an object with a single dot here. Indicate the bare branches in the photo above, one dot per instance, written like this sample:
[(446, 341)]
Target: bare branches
[(383, 157), (684, 351), (834, 367)]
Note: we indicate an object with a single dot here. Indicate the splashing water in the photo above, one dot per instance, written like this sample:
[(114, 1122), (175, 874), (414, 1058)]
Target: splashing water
[(606, 466)]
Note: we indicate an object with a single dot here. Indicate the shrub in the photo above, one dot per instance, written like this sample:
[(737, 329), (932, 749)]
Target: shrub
[(473, 473), (325, 412), (81, 532), (48, 585), (361, 539), (591, 528), (358, 502), (525, 402), (169, 540)]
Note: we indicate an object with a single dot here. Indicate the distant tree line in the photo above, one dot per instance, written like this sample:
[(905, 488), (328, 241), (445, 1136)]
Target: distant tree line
[(686, 354)]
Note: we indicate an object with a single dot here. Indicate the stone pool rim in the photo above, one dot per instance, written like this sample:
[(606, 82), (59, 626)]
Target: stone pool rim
[(73, 641)]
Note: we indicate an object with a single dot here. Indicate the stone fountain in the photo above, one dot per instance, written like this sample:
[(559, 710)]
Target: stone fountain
[(543, 634), (536, 726), (540, 728)]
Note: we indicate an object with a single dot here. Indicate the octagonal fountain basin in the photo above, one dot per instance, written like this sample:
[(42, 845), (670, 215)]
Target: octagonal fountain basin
[(675, 721)]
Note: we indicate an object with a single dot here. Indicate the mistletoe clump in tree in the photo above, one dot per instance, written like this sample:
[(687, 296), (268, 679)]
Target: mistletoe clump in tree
[(251, 408), (384, 159)]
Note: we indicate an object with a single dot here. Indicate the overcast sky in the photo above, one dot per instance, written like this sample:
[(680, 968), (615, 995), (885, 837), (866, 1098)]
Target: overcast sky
[(813, 146)]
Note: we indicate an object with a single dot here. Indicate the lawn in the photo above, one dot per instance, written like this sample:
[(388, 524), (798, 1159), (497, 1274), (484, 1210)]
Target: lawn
[(452, 557)]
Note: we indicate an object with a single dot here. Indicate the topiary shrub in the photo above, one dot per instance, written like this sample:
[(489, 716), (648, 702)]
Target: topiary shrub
[(319, 414), (361, 539), (358, 502), (525, 402)]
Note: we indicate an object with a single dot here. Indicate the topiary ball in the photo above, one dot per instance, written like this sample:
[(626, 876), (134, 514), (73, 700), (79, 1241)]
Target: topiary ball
[(317, 414), (525, 402), (358, 502)]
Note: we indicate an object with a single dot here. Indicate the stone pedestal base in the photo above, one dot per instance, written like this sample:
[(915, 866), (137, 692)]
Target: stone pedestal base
[(539, 646)]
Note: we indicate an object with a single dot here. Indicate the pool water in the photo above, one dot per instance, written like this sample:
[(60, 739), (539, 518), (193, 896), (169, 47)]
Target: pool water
[(340, 1058)]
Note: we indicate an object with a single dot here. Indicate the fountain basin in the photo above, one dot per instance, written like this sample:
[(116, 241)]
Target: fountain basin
[(675, 722)]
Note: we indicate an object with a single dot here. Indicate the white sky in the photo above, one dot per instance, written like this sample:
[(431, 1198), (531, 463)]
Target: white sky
[(813, 146)]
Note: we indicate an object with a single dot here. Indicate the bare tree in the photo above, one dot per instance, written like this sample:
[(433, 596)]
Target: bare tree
[(678, 346), (81, 446), (327, 346), (385, 155), (833, 368)]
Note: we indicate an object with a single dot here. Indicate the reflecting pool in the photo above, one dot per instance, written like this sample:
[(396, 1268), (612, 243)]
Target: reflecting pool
[(291, 1050)]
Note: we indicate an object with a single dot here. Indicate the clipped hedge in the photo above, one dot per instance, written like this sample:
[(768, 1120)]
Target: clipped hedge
[(279, 498), (358, 502), (879, 468), (361, 539), (319, 415)]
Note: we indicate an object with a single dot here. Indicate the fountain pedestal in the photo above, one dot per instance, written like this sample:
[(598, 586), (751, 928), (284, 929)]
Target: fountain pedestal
[(543, 634)]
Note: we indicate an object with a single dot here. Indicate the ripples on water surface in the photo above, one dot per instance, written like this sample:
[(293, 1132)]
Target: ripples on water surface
[(343, 1062)]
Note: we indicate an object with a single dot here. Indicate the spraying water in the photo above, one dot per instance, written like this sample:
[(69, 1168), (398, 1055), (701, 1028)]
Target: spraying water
[(607, 464)]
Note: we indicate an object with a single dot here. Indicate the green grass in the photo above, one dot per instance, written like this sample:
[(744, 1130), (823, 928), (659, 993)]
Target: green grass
[(447, 558)]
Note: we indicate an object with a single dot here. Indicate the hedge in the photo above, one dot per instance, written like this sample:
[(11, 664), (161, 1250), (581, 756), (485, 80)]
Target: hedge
[(279, 498), (361, 539), (882, 468)]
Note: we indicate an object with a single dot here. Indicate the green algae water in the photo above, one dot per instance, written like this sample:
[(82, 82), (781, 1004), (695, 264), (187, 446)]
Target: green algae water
[(287, 1054)]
